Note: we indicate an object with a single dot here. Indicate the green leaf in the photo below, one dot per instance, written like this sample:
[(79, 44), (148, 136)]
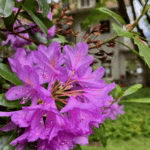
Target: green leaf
[(117, 92), (7, 145), (100, 133), (60, 39), (132, 89), (36, 20), (7, 103), (136, 33), (37, 36), (120, 32), (7, 74), (139, 100), (32, 5), (94, 17), (33, 46), (144, 50), (6, 85), (9, 21), (2, 25), (112, 14), (78, 147), (6, 7), (47, 22), (3, 141), (44, 6)]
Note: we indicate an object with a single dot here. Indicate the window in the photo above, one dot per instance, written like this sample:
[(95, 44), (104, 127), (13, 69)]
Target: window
[(88, 2), (85, 3), (82, 3), (108, 69), (105, 26)]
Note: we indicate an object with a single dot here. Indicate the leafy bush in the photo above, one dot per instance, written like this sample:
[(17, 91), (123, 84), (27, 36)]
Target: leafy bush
[(135, 122)]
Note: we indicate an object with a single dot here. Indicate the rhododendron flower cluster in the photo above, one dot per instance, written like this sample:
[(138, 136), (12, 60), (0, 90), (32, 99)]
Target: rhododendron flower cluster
[(19, 42), (67, 98)]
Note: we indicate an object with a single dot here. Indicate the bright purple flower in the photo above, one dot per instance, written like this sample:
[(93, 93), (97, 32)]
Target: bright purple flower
[(16, 42), (15, 9), (31, 88), (113, 110), (77, 59), (49, 61), (65, 108), (20, 58), (51, 31)]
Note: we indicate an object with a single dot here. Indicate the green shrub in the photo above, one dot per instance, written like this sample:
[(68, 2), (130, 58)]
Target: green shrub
[(135, 122)]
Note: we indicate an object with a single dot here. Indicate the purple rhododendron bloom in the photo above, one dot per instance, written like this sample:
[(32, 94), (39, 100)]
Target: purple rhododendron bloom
[(19, 42), (67, 98), (16, 41)]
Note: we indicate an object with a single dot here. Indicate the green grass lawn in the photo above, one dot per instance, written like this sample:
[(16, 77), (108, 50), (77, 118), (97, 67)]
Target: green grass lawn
[(140, 143)]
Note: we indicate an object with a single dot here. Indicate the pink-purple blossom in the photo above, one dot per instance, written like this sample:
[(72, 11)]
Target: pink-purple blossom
[(18, 42), (63, 113)]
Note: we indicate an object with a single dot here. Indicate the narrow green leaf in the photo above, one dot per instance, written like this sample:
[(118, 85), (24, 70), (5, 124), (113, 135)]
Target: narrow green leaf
[(144, 50), (47, 22), (44, 6), (136, 33), (112, 14), (36, 20), (7, 145), (132, 89), (7, 103), (139, 100), (32, 5), (120, 32), (6, 7), (7, 74)]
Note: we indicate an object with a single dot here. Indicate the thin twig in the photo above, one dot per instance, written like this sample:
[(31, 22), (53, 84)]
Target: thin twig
[(18, 11), (30, 39)]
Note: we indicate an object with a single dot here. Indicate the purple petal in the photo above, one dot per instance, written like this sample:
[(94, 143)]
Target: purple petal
[(8, 127), (20, 139), (18, 92), (82, 140)]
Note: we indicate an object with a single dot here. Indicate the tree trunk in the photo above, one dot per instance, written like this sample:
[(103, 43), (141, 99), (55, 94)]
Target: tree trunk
[(146, 70)]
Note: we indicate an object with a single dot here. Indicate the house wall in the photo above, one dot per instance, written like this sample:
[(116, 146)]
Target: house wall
[(118, 59)]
